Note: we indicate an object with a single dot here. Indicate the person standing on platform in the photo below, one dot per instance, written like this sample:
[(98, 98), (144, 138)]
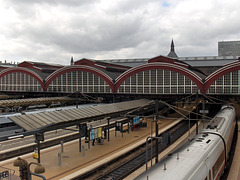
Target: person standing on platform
[(90, 128), (88, 132)]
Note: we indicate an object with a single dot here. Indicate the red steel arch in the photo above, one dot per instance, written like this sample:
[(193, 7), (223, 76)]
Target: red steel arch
[(221, 72), (89, 69), (160, 65), (23, 70)]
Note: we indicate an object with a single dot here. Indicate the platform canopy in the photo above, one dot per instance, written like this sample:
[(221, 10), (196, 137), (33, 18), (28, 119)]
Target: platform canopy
[(45, 120), (34, 101)]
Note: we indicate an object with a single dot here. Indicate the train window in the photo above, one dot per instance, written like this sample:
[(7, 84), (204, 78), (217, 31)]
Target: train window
[(218, 163), (210, 174)]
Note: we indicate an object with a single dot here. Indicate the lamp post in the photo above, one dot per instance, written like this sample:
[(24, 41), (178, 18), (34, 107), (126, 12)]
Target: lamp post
[(39, 137), (24, 169), (197, 102)]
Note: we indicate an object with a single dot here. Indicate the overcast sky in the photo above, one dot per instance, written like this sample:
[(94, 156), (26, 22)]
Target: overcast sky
[(52, 31)]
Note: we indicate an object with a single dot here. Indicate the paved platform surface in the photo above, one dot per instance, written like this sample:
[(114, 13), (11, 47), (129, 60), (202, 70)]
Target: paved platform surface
[(76, 162), (234, 173)]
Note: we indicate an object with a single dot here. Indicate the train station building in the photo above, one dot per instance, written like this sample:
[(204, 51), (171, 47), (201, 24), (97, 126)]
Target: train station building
[(161, 75), (154, 77)]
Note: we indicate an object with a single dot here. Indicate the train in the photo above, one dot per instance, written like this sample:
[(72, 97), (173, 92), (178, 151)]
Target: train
[(204, 157)]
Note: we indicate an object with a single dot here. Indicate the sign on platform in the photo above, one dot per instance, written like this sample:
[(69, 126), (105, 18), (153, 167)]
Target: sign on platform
[(99, 132), (95, 133), (91, 135), (136, 120)]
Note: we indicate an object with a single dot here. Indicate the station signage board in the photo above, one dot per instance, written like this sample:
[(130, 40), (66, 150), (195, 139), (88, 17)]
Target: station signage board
[(136, 120)]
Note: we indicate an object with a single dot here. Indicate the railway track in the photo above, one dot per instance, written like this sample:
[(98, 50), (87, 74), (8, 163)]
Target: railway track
[(127, 163)]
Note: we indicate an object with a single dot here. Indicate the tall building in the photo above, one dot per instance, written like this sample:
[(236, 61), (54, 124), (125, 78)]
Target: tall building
[(229, 48)]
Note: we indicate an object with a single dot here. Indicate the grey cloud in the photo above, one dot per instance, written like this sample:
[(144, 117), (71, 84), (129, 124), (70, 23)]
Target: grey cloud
[(54, 30), (51, 2)]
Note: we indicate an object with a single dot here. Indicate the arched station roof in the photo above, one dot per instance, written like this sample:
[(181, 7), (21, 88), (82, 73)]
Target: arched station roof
[(162, 62), (39, 65), (89, 69), (234, 66), (111, 69), (102, 65), (22, 70)]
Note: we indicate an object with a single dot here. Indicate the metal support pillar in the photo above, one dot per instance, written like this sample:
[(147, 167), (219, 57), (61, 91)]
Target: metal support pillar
[(197, 113), (156, 125), (39, 137), (80, 137), (189, 126), (128, 125), (61, 146), (114, 98), (76, 99), (88, 139), (108, 130), (59, 159), (116, 125), (203, 111), (122, 128), (38, 150)]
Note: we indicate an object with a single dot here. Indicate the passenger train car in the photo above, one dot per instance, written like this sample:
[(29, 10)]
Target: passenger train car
[(202, 158)]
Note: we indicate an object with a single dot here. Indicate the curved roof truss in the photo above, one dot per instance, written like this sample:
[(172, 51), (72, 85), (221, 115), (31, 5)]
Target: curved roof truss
[(22, 70), (92, 70), (160, 65), (221, 72)]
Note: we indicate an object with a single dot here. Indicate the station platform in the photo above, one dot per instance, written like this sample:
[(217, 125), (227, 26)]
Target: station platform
[(75, 163), (234, 173)]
